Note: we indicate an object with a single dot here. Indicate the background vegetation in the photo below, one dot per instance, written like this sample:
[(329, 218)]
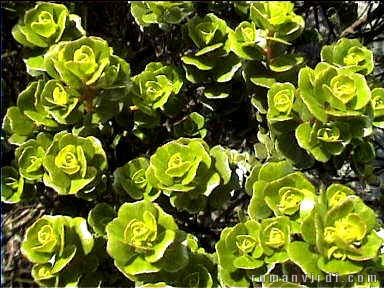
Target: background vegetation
[(234, 128)]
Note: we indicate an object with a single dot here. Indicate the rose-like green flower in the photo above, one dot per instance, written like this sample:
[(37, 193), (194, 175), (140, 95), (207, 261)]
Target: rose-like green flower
[(208, 31), (378, 107), (249, 246), (337, 193), (57, 245), (281, 97), (153, 87), (238, 250), (247, 42), (291, 195), (72, 163), (323, 140), (349, 53), (185, 170), (277, 189), (85, 62), (144, 239), (278, 18), (42, 25), (174, 166), (162, 13), (274, 237), (331, 92), (30, 156), (44, 238), (349, 238), (49, 103), (131, 179), (12, 185), (59, 101), (211, 63), (260, 177)]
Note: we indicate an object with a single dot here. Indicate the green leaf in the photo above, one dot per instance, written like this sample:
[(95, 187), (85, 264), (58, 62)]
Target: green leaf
[(136, 266), (274, 170), (81, 229), (217, 91), (247, 262), (100, 216), (35, 65), (64, 259), (221, 163), (175, 258), (285, 63), (160, 13), (17, 123), (301, 254), (306, 86), (265, 82), (342, 267), (160, 248), (225, 70), (199, 62)]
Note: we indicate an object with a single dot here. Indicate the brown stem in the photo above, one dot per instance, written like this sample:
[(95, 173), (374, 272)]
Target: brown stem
[(88, 95), (268, 51)]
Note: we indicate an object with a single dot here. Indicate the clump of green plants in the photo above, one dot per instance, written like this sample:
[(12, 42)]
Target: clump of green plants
[(332, 111), (167, 197), (293, 225)]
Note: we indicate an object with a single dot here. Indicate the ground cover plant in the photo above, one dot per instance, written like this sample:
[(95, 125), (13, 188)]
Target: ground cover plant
[(203, 144)]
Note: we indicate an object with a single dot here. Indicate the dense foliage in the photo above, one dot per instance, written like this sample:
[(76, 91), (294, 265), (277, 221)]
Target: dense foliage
[(137, 152)]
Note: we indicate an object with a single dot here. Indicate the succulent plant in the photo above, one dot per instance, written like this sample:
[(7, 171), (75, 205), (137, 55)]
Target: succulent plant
[(260, 218), (59, 246), (211, 63), (247, 42), (247, 248), (72, 163), (188, 172), (42, 25), (144, 239), (162, 13), (349, 54), (278, 18), (331, 92), (131, 179), (85, 62), (281, 98), (12, 185), (30, 156), (50, 103), (153, 87)]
